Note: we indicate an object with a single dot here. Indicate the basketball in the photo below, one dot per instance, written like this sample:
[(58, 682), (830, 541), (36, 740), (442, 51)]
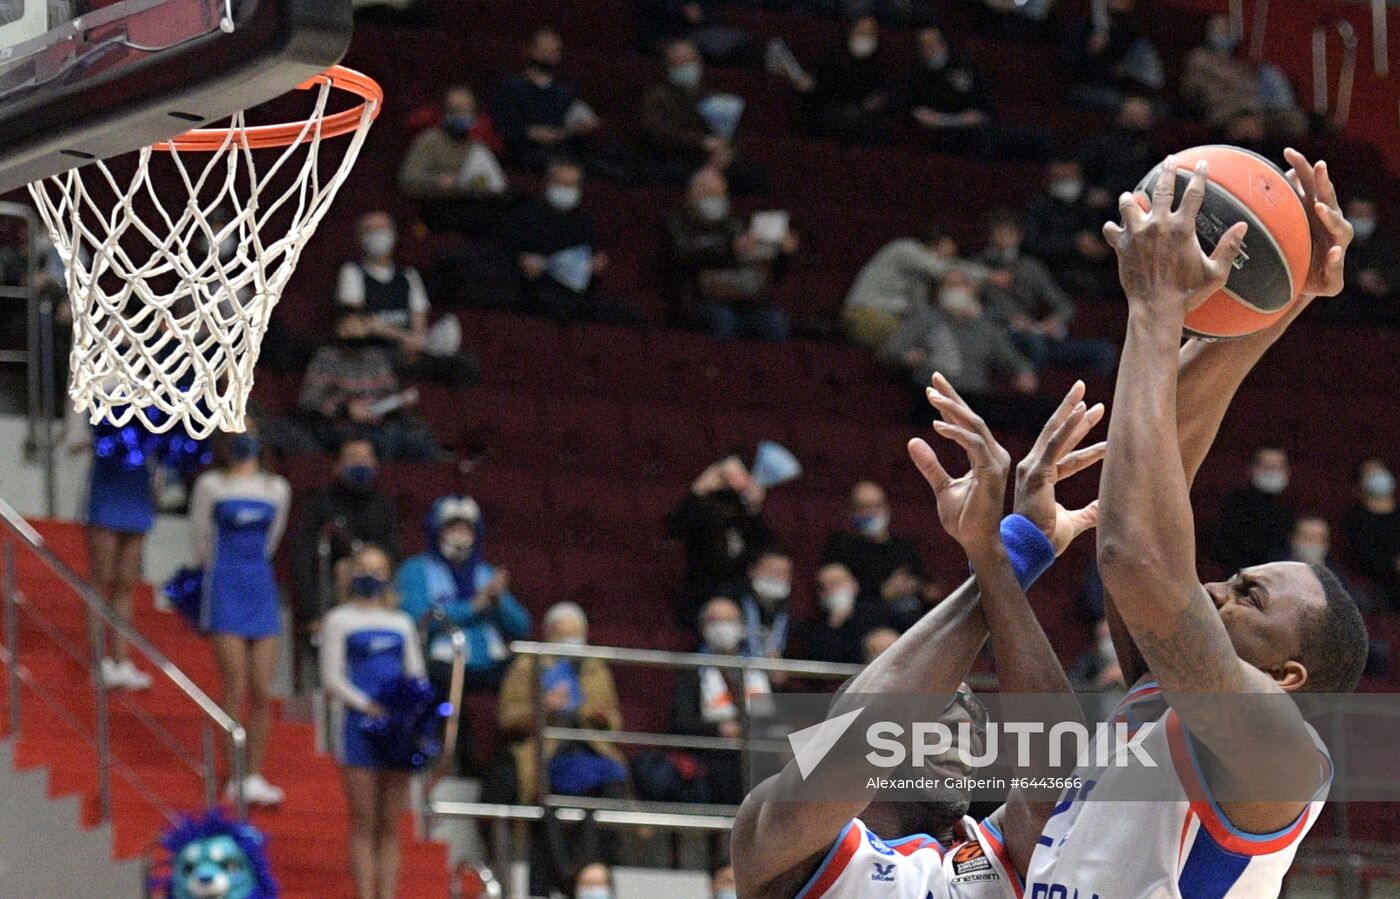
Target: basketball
[(1269, 273)]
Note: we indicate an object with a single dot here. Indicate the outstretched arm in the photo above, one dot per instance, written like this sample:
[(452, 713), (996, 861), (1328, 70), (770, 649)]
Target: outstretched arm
[(771, 837), (1210, 372), (1146, 551), (1026, 662)]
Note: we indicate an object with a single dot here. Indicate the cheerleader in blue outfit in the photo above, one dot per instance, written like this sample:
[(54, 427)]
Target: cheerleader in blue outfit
[(120, 513), (238, 512), (367, 643)]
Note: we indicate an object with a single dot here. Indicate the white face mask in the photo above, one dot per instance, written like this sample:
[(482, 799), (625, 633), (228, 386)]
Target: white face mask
[(725, 894), (455, 548), (957, 300), (1066, 190), (713, 208), (937, 60), (840, 600), (1378, 482), (1311, 553), (771, 589), (1364, 228), (378, 244), (562, 196), (1271, 482), (863, 47), (593, 893), (723, 636), (686, 75)]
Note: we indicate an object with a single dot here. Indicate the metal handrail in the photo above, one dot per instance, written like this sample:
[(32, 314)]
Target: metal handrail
[(661, 658), (1380, 39), (1346, 79), (99, 614)]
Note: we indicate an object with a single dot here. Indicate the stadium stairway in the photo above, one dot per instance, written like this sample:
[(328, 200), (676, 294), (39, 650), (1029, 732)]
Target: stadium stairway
[(306, 836)]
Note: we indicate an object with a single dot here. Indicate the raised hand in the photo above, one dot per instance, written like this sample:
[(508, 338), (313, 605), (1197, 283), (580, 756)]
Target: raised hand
[(1160, 260), (1331, 232), (969, 507), (1053, 458)]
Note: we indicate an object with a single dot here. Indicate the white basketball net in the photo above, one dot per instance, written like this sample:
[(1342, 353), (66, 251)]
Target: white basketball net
[(166, 327)]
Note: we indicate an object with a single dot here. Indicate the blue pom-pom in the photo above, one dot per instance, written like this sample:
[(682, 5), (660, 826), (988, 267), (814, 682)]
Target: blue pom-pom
[(185, 590), (407, 737)]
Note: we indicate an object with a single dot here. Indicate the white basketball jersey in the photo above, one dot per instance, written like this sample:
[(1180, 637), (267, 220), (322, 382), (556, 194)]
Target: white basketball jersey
[(860, 865), (1177, 845)]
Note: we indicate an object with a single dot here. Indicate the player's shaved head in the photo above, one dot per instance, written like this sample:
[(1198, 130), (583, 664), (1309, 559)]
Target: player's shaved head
[(1296, 622)]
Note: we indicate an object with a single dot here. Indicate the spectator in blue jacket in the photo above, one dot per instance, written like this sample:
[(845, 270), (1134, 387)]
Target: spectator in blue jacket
[(452, 584)]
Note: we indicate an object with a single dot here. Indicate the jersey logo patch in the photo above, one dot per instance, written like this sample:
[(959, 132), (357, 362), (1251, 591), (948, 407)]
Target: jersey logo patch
[(883, 873), (969, 859), (878, 844)]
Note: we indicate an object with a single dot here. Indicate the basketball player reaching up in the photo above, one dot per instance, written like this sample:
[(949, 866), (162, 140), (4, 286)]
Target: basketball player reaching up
[(784, 845), (1242, 776)]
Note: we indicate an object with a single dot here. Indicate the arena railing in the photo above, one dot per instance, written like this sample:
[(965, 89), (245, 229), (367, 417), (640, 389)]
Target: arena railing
[(1351, 863), (100, 617), (622, 813)]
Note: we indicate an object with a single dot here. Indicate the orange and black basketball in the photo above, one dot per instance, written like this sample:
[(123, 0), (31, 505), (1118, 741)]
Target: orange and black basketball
[(1269, 273)]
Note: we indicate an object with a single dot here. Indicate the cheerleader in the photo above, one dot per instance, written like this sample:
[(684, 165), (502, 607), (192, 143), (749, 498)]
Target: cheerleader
[(367, 643), (238, 512), (120, 513)]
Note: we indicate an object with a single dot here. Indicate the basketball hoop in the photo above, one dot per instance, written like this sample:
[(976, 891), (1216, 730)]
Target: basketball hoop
[(171, 297)]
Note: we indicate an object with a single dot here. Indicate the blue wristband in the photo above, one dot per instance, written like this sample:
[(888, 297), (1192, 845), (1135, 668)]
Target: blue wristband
[(1030, 550)]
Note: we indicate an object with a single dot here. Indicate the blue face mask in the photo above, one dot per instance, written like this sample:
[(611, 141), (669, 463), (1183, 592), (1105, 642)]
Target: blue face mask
[(359, 477), (458, 125), (367, 586), (244, 447)]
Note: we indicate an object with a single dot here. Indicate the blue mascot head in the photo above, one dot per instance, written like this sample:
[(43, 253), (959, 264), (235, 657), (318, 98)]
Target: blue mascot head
[(216, 858)]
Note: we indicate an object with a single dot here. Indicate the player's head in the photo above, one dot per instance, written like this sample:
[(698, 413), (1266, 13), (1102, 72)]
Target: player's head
[(940, 807), (1296, 623)]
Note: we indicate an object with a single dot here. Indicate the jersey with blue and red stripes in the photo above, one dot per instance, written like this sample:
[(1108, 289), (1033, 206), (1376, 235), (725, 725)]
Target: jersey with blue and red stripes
[(1157, 832), (861, 865)]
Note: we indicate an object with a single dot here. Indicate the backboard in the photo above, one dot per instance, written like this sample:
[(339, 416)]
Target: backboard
[(91, 79)]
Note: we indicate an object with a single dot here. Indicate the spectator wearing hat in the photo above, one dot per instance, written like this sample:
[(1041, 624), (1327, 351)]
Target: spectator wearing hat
[(451, 584)]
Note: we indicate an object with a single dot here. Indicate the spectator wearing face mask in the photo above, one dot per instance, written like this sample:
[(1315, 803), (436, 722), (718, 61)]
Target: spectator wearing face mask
[(944, 96), (719, 272), (1372, 528), (351, 390), (451, 583), (897, 282), (1022, 296), (711, 702), (848, 95), (592, 881), (347, 512), (1114, 159), (1221, 85), (554, 246), (884, 564), (1371, 295), (396, 305), (576, 693), (844, 618), (975, 354), (540, 116), (1109, 56), (676, 136), (1062, 230), (451, 168), (763, 598), (720, 522), (1255, 520)]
